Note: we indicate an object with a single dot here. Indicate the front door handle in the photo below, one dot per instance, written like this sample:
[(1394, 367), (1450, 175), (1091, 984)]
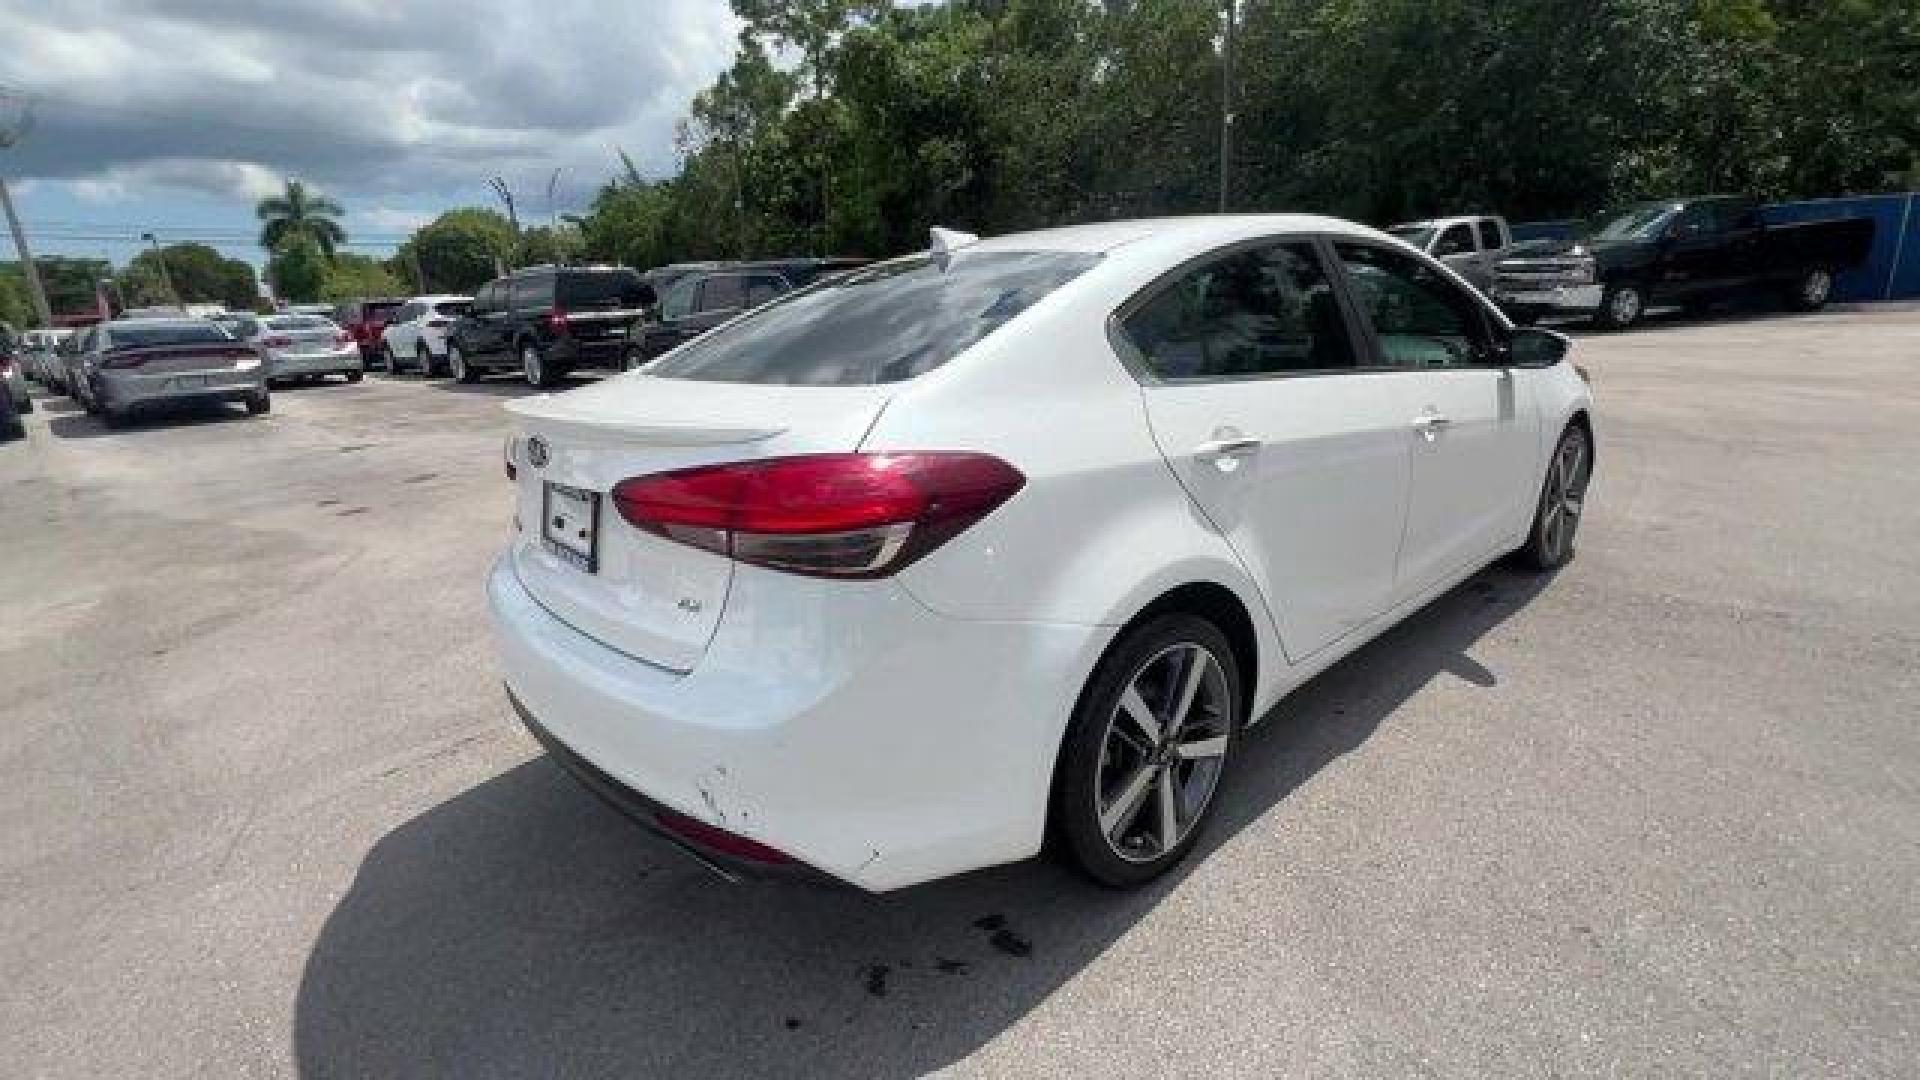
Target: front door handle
[(1238, 446)]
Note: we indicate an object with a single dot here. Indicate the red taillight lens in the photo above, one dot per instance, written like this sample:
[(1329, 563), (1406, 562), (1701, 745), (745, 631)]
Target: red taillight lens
[(828, 515), (720, 840), (557, 321), (276, 342)]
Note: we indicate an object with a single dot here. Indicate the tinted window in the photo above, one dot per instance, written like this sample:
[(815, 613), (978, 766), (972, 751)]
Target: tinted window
[(606, 290), (679, 301), (1489, 236), (762, 288), (451, 308), (1255, 312), (140, 335), (1457, 240), (878, 325), (1419, 318), (381, 311), (532, 292), (722, 292), (1417, 235)]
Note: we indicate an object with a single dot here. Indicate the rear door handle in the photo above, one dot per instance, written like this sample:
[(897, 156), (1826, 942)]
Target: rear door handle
[(1238, 446)]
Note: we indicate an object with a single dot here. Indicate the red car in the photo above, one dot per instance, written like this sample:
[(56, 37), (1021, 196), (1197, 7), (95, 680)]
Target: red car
[(363, 320)]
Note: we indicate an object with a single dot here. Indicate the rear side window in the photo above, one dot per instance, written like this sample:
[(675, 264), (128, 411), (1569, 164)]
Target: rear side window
[(762, 288), (605, 290), (1457, 240), (878, 325), (532, 292), (1261, 311), (722, 292), (1489, 236), (143, 335)]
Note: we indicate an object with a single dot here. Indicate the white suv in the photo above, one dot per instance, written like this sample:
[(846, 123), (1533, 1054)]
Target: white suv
[(893, 575), (416, 333)]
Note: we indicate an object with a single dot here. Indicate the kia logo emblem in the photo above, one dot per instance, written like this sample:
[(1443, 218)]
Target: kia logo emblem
[(537, 455)]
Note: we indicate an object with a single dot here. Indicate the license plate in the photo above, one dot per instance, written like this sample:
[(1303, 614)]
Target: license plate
[(570, 526)]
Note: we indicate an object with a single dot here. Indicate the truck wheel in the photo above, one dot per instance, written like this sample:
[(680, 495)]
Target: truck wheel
[(1812, 291), (533, 364), (1621, 307)]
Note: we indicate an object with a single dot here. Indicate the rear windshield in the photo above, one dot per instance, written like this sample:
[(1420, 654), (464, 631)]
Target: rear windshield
[(879, 325), (608, 290), (300, 322), (452, 307), (184, 332)]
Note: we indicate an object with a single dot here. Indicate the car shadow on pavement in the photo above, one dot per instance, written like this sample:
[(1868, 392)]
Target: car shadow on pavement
[(522, 928), (504, 387), (79, 424)]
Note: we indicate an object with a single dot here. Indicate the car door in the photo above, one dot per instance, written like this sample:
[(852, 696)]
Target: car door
[(1738, 262), (1692, 261), (1471, 434), (1294, 452)]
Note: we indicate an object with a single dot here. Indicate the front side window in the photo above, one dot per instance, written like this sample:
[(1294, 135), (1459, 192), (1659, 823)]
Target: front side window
[(1262, 311), (762, 288), (532, 292), (722, 292), (1457, 240), (881, 324), (1419, 318)]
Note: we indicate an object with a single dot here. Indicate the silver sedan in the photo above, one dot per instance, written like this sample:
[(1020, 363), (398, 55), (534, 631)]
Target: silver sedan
[(300, 346), (128, 364)]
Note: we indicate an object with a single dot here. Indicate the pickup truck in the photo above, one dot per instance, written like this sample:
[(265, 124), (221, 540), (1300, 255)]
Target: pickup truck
[(1472, 246), (1690, 252)]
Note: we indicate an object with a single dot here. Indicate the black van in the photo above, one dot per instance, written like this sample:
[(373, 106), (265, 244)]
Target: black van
[(545, 321)]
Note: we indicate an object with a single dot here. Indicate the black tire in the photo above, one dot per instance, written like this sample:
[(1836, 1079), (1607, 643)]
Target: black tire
[(1621, 306), (1091, 742), (424, 357), (115, 418), (388, 360), (1811, 290), (259, 403), (1550, 540), (534, 366), (24, 404), (457, 365), (355, 376)]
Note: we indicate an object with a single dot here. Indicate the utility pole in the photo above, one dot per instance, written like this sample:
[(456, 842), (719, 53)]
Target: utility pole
[(1226, 105), (16, 119), (553, 218), (166, 278), (501, 189)]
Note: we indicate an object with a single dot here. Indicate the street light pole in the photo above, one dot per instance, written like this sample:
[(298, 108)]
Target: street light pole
[(165, 277)]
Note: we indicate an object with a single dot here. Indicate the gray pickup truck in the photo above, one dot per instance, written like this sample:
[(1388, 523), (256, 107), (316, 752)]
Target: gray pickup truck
[(1472, 245)]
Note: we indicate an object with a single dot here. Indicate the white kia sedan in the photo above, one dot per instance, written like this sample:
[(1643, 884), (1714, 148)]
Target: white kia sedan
[(902, 573)]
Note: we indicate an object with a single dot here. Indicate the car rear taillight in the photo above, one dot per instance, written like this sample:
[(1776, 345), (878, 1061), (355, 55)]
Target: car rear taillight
[(825, 515), (557, 321), (720, 840), (277, 342)]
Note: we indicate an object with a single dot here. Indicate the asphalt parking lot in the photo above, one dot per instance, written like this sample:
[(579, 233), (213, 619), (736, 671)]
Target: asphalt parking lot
[(267, 812)]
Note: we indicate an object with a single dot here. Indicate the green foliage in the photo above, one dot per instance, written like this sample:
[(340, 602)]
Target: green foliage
[(299, 212), (996, 115), (298, 269), (201, 274), (351, 277), (460, 250), (16, 307), (69, 284)]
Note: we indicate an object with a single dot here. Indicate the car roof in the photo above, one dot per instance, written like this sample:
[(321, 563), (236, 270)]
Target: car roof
[(437, 298), (1106, 236)]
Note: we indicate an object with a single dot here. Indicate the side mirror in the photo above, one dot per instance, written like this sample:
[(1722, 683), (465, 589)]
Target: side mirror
[(1532, 347)]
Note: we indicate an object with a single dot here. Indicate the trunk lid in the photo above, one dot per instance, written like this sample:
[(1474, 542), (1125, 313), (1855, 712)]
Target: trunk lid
[(649, 597), (174, 359)]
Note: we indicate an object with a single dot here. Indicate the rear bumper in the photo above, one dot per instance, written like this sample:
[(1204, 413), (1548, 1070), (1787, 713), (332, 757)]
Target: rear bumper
[(572, 352), (119, 389), (858, 733), (336, 362)]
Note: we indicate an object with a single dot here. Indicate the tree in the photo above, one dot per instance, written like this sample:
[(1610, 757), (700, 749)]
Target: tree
[(298, 212), (201, 274), (16, 310), (298, 269), (460, 250), (353, 277)]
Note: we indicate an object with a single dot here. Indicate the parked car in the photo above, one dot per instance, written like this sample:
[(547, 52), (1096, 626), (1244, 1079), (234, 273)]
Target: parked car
[(307, 309), (1692, 252), (300, 346), (39, 355), (128, 364), (701, 300), (11, 426), (660, 280), (15, 396), (364, 320), (546, 321), (416, 333), (1471, 246), (1145, 474)]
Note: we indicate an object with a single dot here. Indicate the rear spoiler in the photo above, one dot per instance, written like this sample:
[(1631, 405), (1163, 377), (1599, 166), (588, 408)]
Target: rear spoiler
[(613, 427)]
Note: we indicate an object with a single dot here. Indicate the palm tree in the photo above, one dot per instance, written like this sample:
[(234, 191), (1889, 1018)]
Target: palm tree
[(297, 212)]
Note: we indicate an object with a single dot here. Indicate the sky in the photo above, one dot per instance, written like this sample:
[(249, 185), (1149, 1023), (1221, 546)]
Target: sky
[(176, 116)]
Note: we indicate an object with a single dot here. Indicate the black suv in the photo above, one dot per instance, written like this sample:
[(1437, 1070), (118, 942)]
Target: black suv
[(545, 321), (696, 302)]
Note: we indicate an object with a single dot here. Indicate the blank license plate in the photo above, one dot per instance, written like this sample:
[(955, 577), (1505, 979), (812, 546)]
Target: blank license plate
[(570, 526)]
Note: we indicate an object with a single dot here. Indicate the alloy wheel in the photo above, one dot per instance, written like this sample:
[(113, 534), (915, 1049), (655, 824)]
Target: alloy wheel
[(531, 364), (1814, 290), (1162, 753), (456, 363), (1626, 306), (1566, 497)]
